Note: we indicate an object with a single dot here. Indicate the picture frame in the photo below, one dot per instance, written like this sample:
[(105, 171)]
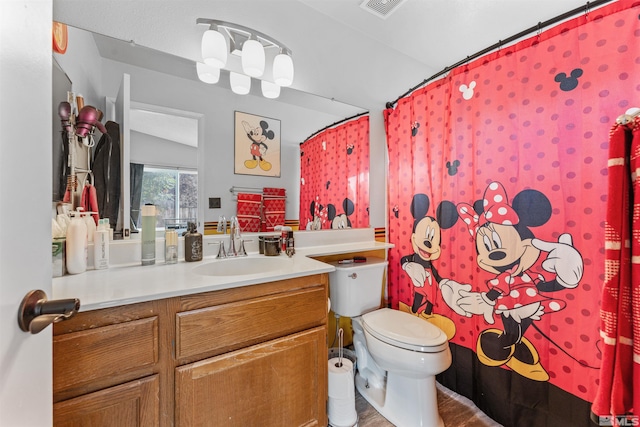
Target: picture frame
[(257, 145)]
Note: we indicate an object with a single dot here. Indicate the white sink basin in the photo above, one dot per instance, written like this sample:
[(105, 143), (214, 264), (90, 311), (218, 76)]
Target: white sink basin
[(244, 266)]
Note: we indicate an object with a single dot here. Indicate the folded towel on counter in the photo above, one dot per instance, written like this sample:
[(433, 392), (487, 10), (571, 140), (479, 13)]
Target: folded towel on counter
[(273, 200), (249, 210)]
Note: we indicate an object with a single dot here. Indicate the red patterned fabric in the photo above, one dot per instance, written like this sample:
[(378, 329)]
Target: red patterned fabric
[(334, 177), (620, 311), (533, 117), (249, 211), (274, 200)]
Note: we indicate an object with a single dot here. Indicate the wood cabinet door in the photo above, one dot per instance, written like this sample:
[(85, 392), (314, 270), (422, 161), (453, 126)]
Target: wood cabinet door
[(278, 383), (131, 404)]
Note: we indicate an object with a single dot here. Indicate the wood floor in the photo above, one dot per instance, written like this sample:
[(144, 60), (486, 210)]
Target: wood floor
[(455, 410)]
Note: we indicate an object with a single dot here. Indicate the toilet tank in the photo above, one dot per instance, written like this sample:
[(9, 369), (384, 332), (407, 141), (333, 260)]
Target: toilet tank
[(356, 288)]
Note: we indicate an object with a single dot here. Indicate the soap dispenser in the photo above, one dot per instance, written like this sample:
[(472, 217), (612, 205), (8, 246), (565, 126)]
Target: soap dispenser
[(192, 243)]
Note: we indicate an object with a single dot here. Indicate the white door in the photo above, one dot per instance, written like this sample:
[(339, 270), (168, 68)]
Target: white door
[(25, 206)]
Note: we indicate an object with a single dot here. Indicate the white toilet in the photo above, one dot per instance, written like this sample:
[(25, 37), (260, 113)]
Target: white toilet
[(398, 355)]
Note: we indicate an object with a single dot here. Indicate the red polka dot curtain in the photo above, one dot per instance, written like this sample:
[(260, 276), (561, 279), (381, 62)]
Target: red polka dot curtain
[(497, 199), (334, 177)]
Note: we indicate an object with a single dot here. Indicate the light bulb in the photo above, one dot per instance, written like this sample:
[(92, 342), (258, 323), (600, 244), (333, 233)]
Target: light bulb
[(270, 90), (283, 69), (253, 58), (214, 49), (207, 73), (240, 84)]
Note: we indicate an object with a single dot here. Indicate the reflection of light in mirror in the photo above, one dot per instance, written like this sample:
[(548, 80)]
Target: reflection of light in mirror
[(183, 130), (207, 73), (240, 83), (270, 90)]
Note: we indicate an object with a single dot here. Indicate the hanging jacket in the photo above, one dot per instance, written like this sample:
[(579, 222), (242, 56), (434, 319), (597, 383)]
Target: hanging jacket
[(106, 170)]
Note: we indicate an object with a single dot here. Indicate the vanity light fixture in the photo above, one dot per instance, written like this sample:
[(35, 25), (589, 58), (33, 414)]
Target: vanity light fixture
[(256, 51)]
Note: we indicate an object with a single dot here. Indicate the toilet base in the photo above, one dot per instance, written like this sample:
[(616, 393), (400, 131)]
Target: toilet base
[(421, 409)]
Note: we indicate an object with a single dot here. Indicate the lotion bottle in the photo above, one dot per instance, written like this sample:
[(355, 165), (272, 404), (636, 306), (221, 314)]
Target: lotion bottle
[(192, 243), (148, 234), (101, 245), (76, 244)]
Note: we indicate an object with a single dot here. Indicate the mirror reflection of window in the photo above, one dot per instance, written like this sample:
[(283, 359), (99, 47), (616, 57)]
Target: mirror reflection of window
[(174, 192)]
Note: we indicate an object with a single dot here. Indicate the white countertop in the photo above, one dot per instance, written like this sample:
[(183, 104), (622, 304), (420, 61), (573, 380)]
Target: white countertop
[(134, 283)]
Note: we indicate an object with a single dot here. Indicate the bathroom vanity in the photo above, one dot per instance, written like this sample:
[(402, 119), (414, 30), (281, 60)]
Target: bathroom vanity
[(252, 355), (182, 345)]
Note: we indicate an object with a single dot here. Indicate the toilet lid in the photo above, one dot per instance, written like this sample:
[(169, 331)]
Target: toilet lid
[(404, 330)]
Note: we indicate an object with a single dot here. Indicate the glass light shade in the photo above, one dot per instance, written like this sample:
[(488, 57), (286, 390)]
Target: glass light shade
[(253, 58), (270, 90), (214, 49), (283, 69), (240, 84), (207, 73)]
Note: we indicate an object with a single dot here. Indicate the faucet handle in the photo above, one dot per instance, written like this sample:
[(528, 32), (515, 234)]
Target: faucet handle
[(222, 225), (221, 252), (242, 251)]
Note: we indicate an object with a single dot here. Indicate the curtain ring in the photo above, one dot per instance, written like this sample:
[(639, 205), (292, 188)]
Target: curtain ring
[(587, 9), (539, 29)]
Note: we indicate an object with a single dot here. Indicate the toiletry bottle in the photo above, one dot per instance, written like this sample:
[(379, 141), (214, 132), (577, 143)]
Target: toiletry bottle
[(290, 250), (101, 245), (91, 225), (284, 236), (76, 244), (192, 244), (148, 234), (171, 247)]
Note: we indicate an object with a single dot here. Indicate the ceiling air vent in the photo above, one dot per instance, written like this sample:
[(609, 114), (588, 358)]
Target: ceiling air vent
[(381, 8)]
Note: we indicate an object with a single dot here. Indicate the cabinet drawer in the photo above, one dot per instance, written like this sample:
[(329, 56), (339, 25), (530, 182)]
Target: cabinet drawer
[(98, 354), (133, 404), (218, 329)]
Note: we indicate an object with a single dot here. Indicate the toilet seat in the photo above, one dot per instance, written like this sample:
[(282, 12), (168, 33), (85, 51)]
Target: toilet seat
[(405, 331)]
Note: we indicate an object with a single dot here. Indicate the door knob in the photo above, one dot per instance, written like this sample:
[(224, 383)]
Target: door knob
[(36, 313)]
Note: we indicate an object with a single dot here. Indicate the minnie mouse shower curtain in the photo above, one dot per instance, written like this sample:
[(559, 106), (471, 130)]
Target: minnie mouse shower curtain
[(334, 177), (497, 198)]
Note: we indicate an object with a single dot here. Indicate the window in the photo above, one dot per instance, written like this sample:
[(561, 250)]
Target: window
[(173, 191)]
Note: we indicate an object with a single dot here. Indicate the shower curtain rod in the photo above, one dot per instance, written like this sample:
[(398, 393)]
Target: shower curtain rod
[(333, 124), (582, 9)]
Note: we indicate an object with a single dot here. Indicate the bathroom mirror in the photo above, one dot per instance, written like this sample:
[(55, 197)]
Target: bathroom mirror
[(164, 83)]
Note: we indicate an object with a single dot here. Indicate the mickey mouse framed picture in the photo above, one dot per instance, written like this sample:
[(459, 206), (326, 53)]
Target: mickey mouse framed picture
[(257, 145)]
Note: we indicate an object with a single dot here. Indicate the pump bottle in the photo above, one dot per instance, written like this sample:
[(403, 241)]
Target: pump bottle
[(148, 234), (76, 244), (192, 244), (101, 245)]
